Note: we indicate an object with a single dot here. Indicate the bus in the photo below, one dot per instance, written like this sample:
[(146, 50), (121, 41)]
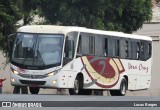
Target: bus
[(80, 59)]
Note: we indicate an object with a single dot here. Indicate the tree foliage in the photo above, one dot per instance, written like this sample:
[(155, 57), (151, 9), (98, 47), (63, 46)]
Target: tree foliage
[(12, 11), (9, 15), (118, 15)]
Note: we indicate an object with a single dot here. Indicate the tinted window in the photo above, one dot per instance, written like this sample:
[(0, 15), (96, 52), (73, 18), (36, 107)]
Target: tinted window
[(99, 49), (91, 45), (117, 49)]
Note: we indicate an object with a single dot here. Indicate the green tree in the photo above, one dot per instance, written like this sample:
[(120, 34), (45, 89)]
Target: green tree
[(29, 11), (74, 12), (12, 11), (9, 15), (128, 15), (117, 15)]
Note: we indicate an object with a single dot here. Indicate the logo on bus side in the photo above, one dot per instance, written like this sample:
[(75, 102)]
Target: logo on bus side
[(140, 67), (103, 72)]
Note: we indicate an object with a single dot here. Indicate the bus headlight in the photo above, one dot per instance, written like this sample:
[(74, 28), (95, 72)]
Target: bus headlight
[(14, 71), (51, 74), (12, 80)]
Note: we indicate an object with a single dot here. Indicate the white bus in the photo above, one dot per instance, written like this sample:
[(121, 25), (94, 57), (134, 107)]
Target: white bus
[(80, 59)]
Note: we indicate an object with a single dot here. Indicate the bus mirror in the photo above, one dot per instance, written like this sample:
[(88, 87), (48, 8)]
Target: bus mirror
[(10, 42)]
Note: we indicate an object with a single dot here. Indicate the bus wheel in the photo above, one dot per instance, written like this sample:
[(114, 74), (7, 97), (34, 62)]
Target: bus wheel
[(16, 90), (98, 92), (34, 90), (85, 92), (24, 90), (122, 90), (77, 87)]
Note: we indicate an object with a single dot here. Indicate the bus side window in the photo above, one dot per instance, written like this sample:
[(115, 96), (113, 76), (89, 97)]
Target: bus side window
[(85, 43), (117, 49), (138, 50), (149, 50), (122, 48), (79, 48), (99, 45), (142, 51), (91, 45), (111, 46), (69, 49), (127, 51), (106, 47), (134, 50)]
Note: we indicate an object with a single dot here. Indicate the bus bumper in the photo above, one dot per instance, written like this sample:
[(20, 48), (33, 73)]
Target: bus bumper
[(48, 82)]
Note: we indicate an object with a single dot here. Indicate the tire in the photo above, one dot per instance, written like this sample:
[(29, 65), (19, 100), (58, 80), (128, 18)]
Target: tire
[(122, 90), (34, 90), (78, 85), (85, 92), (98, 92), (24, 90), (16, 90)]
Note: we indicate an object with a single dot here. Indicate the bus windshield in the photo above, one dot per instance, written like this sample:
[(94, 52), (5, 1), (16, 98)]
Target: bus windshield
[(37, 51)]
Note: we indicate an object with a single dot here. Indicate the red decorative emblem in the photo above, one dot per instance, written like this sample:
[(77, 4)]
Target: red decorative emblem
[(104, 72)]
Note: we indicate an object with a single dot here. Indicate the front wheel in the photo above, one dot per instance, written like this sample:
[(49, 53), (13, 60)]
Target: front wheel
[(122, 90), (77, 87), (34, 90), (24, 90), (16, 90)]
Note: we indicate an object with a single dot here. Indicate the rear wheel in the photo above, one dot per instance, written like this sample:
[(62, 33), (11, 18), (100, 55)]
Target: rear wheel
[(85, 92), (122, 90), (34, 90), (98, 92)]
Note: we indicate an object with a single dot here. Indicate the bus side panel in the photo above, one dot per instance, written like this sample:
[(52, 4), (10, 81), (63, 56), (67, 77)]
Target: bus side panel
[(139, 73), (71, 70), (132, 80), (76, 67), (143, 82), (105, 73)]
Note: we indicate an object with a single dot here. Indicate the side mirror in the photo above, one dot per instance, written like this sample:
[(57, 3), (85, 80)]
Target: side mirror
[(10, 43)]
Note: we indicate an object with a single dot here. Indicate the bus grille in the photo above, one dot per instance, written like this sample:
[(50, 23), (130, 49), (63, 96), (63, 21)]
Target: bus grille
[(32, 82), (32, 76)]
